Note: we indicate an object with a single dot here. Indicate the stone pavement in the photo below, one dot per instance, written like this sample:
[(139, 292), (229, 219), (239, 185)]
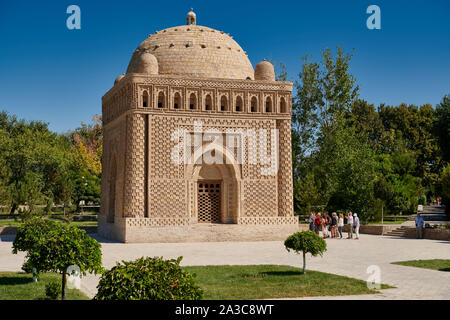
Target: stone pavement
[(344, 257)]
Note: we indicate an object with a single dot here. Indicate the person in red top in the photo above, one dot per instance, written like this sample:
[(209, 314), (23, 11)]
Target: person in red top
[(317, 223)]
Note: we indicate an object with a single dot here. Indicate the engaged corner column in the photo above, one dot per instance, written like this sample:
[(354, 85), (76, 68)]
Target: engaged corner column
[(285, 184), (134, 202)]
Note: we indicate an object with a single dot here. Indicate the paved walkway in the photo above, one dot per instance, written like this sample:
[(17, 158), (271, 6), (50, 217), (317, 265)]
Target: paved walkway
[(344, 257)]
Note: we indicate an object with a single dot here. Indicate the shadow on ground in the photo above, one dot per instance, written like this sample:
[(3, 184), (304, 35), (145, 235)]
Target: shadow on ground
[(13, 280), (282, 273)]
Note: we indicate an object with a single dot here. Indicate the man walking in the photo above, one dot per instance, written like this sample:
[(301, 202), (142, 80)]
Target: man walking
[(356, 224), (350, 224), (419, 226)]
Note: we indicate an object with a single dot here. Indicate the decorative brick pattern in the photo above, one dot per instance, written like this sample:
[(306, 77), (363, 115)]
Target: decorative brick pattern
[(285, 184), (259, 198), (156, 222), (268, 220), (161, 165), (168, 198)]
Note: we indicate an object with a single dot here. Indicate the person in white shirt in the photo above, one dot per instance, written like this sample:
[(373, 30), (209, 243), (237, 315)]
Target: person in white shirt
[(356, 224), (341, 224), (350, 224)]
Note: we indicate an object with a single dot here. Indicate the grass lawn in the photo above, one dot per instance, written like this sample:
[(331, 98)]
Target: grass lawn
[(386, 222), (84, 223), (9, 223), (272, 281), (17, 223), (435, 264), (20, 286)]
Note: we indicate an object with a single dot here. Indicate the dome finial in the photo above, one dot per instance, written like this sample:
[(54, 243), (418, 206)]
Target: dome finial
[(191, 17)]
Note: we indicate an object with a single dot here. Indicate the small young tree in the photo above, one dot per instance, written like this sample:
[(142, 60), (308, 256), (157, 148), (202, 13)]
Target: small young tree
[(306, 242), (54, 246)]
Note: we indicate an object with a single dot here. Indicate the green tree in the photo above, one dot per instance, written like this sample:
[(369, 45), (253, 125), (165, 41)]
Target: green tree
[(350, 165), (397, 170), (441, 126), (306, 242), (86, 173), (53, 246), (36, 162), (414, 126), (307, 195), (325, 91), (364, 118)]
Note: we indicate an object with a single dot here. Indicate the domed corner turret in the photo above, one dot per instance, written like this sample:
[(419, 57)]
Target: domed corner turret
[(145, 63), (118, 79), (265, 71)]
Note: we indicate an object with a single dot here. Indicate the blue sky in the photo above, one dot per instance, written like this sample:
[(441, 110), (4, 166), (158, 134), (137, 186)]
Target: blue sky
[(50, 73)]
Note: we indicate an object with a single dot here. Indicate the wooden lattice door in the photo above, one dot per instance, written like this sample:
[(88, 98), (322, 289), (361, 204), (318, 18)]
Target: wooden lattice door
[(209, 201)]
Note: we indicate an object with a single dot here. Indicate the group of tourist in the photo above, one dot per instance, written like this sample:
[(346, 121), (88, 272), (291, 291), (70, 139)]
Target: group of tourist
[(332, 226)]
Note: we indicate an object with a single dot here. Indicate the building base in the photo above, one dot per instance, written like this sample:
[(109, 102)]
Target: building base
[(198, 232)]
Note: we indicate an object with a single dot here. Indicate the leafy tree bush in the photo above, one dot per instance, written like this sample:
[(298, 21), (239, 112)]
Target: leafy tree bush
[(306, 242), (442, 126), (148, 279), (38, 166), (54, 246), (445, 188), (52, 290)]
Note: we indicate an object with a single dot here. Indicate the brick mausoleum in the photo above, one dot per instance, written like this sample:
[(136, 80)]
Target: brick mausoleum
[(176, 77)]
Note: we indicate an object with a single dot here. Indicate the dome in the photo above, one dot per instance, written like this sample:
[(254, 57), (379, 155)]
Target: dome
[(118, 79), (195, 51), (264, 71), (145, 63)]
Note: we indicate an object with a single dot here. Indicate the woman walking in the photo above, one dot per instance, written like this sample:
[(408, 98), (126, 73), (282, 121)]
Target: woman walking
[(341, 224), (325, 225), (311, 221), (350, 225)]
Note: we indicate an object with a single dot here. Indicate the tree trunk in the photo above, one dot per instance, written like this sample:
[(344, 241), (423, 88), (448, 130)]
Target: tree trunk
[(13, 208), (34, 271), (304, 262), (63, 291)]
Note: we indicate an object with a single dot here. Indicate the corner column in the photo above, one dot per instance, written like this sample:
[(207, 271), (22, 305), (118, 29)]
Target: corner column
[(285, 184), (135, 175)]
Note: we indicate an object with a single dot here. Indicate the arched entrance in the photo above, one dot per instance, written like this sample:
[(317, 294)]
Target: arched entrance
[(215, 192)]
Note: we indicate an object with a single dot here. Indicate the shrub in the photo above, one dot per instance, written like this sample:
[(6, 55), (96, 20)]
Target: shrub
[(445, 226), (148, 279), (306, 242), (52, 290)]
